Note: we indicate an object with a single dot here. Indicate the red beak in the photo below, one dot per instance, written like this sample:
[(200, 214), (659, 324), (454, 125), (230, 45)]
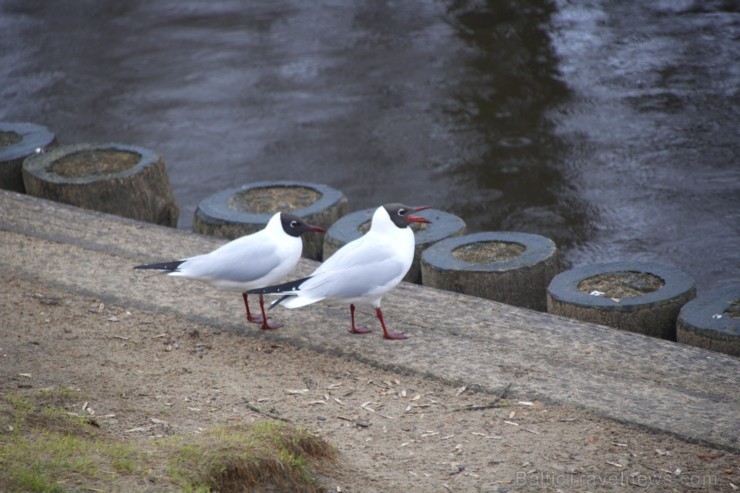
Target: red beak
[(417, 219), (317, 229)]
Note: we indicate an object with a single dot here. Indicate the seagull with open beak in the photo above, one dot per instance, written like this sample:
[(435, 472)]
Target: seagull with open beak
[(363, 270)]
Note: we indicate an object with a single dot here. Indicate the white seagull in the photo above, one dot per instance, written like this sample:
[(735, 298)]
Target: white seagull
[(363, 270), (249, 262)]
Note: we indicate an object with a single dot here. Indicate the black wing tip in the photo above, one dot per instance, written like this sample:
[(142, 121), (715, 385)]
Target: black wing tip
[(166, 266), (279, 288), (278, 301)]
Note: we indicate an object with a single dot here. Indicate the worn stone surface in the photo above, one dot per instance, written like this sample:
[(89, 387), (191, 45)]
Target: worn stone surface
[(21, 140), (686, 391), (140, 190), (520, 280), (657, 319), (653, 312), (710, 321)]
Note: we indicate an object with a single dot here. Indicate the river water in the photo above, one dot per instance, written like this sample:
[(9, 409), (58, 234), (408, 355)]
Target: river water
[(611, 127)]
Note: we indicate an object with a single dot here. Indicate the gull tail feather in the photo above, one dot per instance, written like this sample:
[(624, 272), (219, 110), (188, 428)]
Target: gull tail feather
[(299, 300), (293, 301), (166, 266)]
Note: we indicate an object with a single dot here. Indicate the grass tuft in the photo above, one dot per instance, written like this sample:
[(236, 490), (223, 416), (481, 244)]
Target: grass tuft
[(239, 457), (46, 449)]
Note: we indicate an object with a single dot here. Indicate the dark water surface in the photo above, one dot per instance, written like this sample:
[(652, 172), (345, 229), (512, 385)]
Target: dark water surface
[(611, 127)]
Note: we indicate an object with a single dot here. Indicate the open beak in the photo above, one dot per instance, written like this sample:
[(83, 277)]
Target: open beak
[(416, 219), (316, 229)]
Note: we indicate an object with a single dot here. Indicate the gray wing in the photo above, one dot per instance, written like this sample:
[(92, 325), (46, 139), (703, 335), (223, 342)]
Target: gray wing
[(238, 262), (366, 271)]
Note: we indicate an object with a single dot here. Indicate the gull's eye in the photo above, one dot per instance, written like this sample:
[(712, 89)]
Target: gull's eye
[(294, 224), (401, 212)]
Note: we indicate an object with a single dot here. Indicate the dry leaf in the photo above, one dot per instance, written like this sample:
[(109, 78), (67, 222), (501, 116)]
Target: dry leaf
[(709, 455)]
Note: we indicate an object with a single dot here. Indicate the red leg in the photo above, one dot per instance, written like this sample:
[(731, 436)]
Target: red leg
[(266, 325), (386, 334), (356, 330), (250, 318)]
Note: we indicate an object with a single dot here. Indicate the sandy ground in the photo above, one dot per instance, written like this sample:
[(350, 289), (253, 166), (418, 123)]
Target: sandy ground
[(145, 374)]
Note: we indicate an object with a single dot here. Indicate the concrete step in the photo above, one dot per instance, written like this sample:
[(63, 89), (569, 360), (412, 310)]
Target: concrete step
[(686, 391)]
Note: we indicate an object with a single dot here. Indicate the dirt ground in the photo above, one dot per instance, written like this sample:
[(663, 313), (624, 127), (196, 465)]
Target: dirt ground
[(145, 375)]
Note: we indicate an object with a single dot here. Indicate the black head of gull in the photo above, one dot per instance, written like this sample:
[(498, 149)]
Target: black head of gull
[(401, 214)]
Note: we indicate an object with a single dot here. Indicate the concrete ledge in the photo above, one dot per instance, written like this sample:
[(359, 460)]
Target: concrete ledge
[(652, 313), (705, 321), (33, 137), (686, 391)]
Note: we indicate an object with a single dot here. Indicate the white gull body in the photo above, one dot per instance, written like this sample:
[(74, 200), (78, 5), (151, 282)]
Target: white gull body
[(363, 270), (248, 262)]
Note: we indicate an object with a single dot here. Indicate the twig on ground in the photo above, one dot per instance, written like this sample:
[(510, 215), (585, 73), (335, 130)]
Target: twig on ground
[(493, 404), (265, 413)]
